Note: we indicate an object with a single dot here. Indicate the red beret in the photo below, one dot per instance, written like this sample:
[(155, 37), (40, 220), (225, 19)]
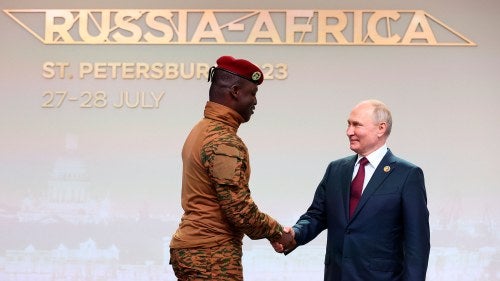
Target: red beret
[(242, 68)]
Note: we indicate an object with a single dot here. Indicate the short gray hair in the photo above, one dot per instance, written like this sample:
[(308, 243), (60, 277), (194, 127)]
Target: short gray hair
[(382, 114)]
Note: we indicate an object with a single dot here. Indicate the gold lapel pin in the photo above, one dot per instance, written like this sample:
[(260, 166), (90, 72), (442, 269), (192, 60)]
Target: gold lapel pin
[(387, 169)]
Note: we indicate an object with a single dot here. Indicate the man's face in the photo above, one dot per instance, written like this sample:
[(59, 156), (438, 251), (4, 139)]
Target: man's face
[(247, 100), (365, 135)]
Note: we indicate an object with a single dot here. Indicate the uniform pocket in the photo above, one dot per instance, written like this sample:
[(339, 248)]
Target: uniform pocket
[(190, 262)]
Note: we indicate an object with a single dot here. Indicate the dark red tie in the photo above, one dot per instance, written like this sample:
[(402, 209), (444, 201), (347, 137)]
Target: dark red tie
[(357, 186)]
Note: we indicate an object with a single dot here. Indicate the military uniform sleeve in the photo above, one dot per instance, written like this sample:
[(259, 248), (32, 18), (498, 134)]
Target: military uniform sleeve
[(228, 170)]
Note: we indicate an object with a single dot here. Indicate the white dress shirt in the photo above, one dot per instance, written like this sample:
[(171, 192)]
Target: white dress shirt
[(374, 158)]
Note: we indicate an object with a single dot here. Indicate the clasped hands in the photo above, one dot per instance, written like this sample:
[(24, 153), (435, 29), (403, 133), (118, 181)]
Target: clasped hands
[(286, 241)]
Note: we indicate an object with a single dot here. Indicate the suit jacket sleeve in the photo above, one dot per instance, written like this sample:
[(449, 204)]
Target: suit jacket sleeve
[(314, 221), (416, 226)]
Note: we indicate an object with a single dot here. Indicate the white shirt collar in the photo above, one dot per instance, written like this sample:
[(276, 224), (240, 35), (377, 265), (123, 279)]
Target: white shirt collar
[(375, 157)]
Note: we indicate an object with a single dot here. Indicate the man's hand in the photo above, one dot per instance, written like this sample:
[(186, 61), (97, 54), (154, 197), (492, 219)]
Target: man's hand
[(286, 242)]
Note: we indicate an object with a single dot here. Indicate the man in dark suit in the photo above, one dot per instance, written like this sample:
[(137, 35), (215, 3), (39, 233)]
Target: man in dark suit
[(376, 215)]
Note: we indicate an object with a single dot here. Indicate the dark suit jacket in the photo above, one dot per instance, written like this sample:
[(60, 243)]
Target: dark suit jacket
[(388, 236)]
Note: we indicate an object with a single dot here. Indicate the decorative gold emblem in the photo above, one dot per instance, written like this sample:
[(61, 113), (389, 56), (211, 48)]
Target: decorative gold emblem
[(387, 169), (256, 76)]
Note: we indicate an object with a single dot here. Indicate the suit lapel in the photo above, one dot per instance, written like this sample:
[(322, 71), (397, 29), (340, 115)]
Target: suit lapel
[(383, 170)]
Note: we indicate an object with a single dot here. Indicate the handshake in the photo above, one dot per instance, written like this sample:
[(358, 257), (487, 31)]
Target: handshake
[(286, 241)]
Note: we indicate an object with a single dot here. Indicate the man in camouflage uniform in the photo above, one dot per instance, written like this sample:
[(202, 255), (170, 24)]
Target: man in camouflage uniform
[(218, 208)]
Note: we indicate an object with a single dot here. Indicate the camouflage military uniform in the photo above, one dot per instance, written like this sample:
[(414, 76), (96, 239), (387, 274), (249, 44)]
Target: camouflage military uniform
[(218, 208), (221, 263)]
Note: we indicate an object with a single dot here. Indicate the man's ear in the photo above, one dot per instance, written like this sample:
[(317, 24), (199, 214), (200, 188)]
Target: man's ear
[(234, 91), (382, 129)]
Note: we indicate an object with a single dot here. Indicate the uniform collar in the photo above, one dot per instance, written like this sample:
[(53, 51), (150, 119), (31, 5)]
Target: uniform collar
[(224, 114)]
